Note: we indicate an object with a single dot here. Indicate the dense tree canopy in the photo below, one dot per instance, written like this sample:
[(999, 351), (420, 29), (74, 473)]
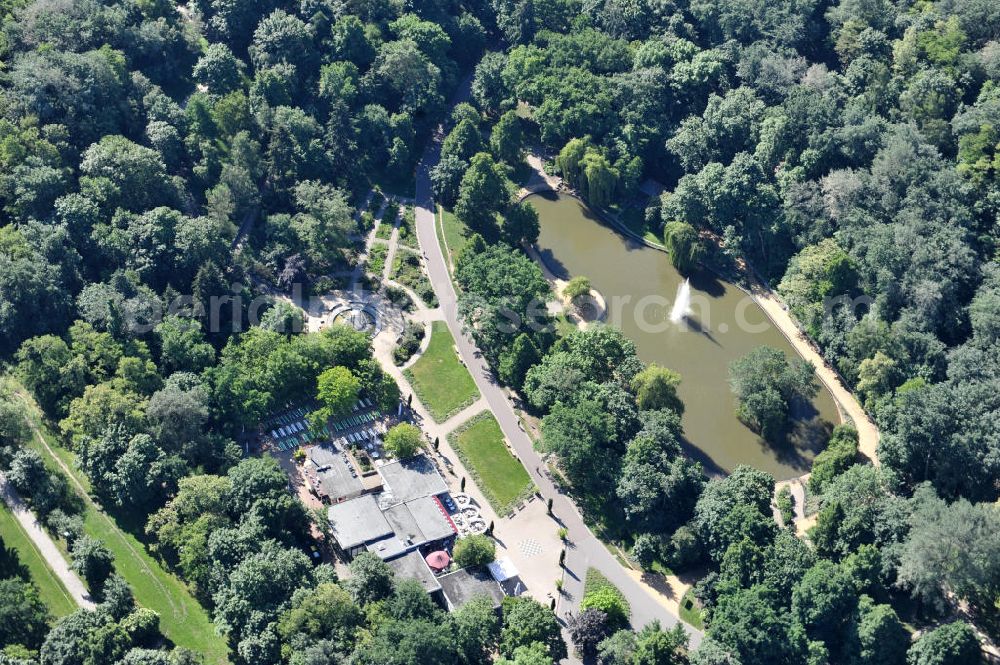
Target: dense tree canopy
[(161, 166)]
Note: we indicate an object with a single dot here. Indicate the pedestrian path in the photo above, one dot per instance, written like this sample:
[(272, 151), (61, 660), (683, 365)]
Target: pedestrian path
[(585, 549), (53, 557)]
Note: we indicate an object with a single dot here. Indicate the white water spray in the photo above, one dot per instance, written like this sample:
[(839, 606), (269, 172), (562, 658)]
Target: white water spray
[(682, 304)]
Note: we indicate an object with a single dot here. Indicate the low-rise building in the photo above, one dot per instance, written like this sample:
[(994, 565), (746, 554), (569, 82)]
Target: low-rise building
[(357, 523), (411, 566), (412, 478), (465, 584), (331, 475), (406, 516)]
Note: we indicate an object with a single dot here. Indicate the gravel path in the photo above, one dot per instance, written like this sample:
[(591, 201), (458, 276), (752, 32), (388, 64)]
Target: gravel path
[(868, 434), (53, 557)]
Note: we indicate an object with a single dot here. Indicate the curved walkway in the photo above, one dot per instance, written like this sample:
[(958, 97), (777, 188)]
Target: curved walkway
[(776, 310), (585, 550)]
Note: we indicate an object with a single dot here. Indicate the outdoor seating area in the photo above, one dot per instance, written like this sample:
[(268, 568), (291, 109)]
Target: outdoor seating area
[(464, 513), (367, 438), (363, 412), (290, 429)]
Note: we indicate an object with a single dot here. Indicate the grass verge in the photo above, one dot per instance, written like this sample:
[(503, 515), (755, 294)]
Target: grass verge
[(50, 588), (690, 614), (182, 619), (595, 581), (452, 233), (442, 383), (498, 474)]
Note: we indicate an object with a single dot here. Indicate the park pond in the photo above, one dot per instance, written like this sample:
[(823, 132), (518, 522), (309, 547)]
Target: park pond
[(640, 286)]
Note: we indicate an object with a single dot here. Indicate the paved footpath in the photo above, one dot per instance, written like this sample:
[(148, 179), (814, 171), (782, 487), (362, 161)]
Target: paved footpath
[(53, 557), (585, 549)]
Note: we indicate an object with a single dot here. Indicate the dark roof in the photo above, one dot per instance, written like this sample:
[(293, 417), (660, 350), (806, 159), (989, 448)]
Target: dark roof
[(463, 585), (413, 567)]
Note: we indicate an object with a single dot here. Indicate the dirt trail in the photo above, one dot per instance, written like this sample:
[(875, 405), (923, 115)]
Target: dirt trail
[(868, 434)]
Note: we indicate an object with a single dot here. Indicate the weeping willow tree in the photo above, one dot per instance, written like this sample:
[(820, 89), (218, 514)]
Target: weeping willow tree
[(683, 245), (569, 160), (600, 179), (589, 171)]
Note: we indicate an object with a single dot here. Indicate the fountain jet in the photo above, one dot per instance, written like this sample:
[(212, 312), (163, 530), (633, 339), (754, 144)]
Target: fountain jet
[(682, 304)]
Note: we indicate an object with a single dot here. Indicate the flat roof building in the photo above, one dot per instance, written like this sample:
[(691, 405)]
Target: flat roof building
[(413, 478), (413, 567), (357, 522), (465, 584), (389, 526), (331, 475)]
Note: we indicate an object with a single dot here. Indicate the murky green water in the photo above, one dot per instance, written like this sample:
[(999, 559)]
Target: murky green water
[(640, 285)]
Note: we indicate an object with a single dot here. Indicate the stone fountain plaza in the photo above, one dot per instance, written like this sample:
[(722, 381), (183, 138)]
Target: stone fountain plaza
[(365, 311)]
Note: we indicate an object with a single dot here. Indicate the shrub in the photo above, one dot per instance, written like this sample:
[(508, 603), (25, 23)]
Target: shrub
[(142, 626), (685, 549), (646, 549), (475, 550), (400, 298), (786, 505), (610, 601), (409, 343), (840, 453), (600, 594), (578, 286), (69, 527), (92, 561), (403, 440)]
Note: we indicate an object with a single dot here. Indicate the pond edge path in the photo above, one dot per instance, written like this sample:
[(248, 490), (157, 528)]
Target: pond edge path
[(775, 309)]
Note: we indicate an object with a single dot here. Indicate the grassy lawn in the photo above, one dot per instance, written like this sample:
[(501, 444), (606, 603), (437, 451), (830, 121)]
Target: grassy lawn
[(441, 382), (50, 588), (690, 613), (634, 218), (452, 232), (182, 619), (499, 474)]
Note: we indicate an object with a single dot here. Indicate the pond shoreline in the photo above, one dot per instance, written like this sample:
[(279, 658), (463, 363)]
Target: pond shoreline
[(773, 306)]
